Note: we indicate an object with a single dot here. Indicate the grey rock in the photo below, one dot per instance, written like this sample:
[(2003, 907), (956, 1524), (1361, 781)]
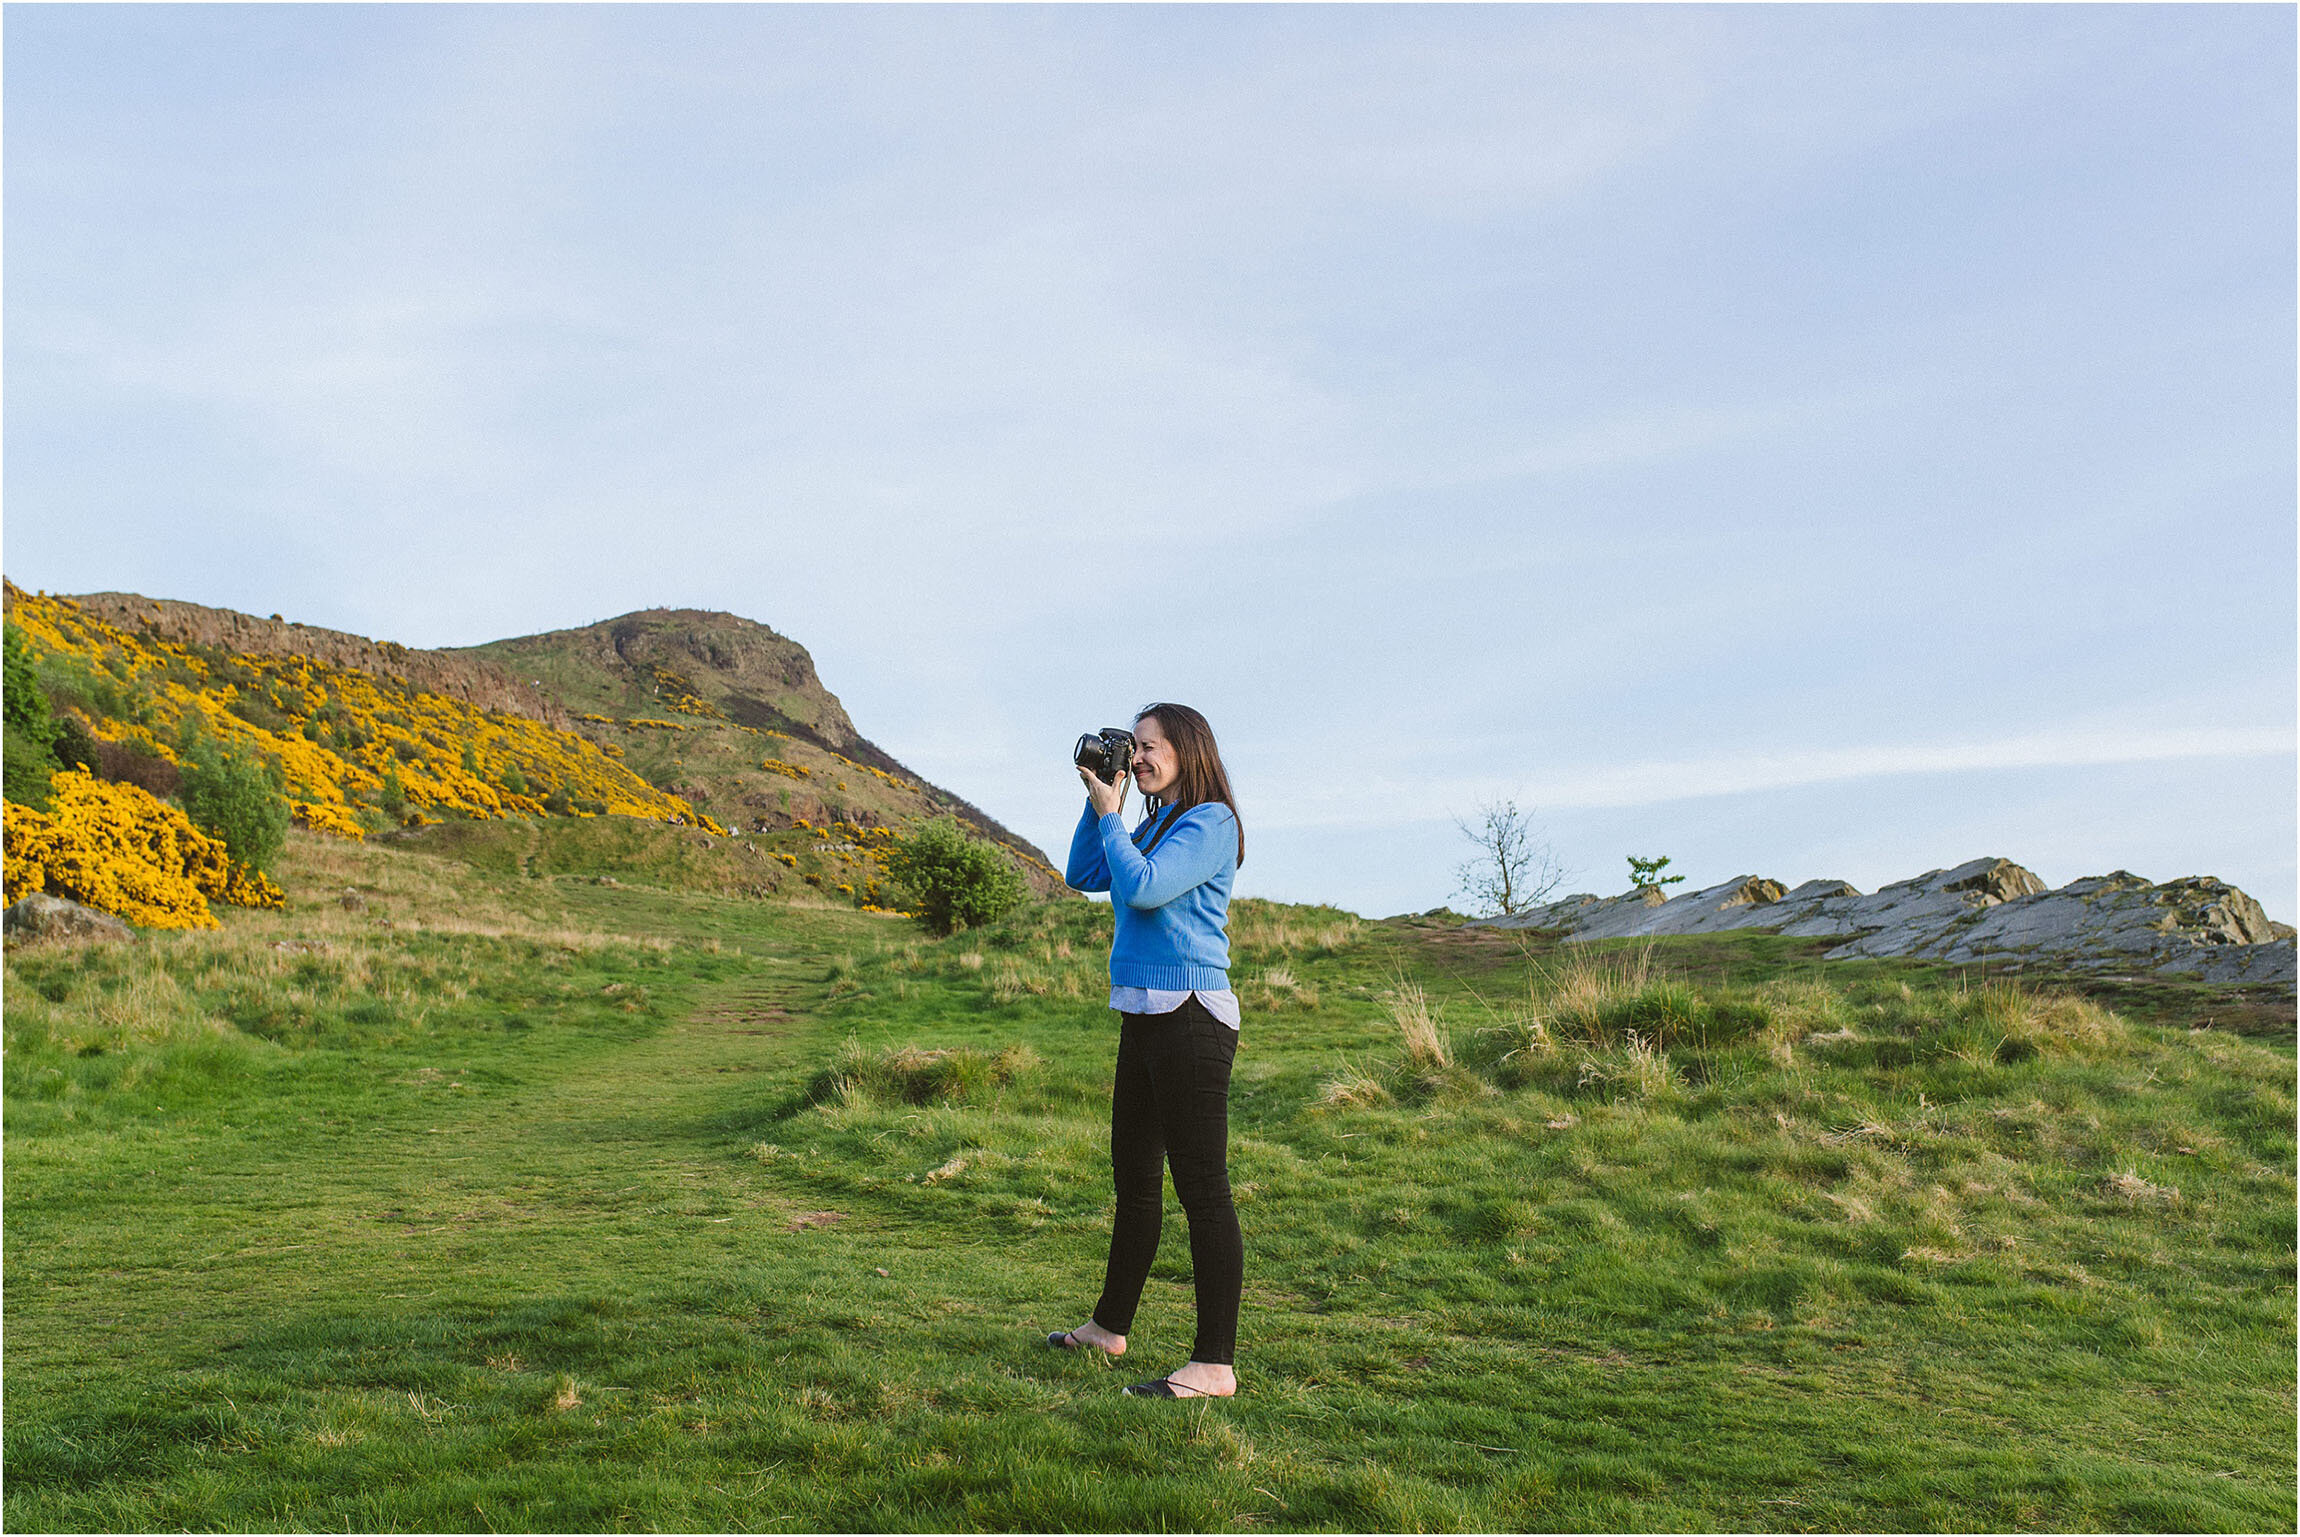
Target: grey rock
[(2241, 965), (1727, 905), (2198, 926), (1815, 890), (42, 917), (1985, 910), (1993, 880), (1580, 910), (1903, 918), (352, 901)]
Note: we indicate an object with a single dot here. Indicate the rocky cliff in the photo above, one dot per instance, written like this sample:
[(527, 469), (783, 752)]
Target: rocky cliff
[(664, 657), (734, 715), (1988, 910)]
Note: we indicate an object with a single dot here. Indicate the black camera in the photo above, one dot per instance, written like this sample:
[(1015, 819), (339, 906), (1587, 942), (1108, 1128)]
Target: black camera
[(1105, 754)]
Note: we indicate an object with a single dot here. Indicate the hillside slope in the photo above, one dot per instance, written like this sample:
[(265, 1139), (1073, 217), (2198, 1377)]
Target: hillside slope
[(454, 675), (359, 736), (363, 735), (731, 716)]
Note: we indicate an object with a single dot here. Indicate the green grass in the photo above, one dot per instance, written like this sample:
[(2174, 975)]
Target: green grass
[(571, 1206), (625, 850)]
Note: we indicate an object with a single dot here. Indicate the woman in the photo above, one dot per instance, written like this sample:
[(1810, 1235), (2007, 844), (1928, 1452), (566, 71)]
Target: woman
[(1169, 886)]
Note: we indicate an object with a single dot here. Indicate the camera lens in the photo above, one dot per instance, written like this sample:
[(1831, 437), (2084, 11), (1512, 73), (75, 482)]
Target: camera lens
[(1106, 753)]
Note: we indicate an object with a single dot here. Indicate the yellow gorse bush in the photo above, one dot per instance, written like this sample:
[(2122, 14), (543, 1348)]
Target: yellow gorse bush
[(334, 731), (680, 694), (898, 783), (324, 818), (119, 848)]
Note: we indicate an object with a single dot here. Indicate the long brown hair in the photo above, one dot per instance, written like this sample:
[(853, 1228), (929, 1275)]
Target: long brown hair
[(1200, 777)]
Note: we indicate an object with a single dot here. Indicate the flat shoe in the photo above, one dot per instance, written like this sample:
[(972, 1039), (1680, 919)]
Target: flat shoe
[(1164, 1387), (1060, 1339)]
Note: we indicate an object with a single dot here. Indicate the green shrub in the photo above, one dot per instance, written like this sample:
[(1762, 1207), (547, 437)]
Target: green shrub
[(40, 739), (76, 745), (30, 753), (957, 881), (25, 768), (231, 797), (23, 703)]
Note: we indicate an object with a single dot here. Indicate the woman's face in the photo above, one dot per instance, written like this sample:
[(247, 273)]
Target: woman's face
[(1154, 767)]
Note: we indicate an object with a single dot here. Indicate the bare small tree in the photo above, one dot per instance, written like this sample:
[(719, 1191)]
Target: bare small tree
[(1514, 870)]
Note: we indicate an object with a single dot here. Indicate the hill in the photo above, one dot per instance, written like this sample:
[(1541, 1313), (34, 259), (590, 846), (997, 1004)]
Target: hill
[(730, 716), (682, 719)]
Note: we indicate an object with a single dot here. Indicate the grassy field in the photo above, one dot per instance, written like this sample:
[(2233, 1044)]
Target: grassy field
[(517, 1200)]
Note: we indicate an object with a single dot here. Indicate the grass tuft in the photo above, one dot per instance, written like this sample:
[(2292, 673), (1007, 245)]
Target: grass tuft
[(916, 1075), (1422, 1038), (1353, 1089)]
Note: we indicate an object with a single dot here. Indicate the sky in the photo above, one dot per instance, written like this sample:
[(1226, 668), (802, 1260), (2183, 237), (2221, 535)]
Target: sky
[(1804, 441)]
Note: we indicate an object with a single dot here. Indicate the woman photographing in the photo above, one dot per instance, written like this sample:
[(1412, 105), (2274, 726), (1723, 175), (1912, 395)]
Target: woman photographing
[(1169, 884)]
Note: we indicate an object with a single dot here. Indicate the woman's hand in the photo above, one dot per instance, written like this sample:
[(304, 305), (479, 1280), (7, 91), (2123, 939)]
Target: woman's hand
[(1105, 798)]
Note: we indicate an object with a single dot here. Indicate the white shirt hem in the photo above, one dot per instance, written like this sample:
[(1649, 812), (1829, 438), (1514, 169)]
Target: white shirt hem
[(1157, 1000)]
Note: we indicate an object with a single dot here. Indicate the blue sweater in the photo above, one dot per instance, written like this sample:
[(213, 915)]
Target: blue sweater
[(1173, 908)]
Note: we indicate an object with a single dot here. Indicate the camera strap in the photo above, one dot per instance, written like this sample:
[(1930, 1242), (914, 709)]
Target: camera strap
[(1164, 828)]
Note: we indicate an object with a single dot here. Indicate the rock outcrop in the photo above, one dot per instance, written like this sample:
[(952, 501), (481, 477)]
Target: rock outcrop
[(704, 667), (750, 673), (1988, 910)]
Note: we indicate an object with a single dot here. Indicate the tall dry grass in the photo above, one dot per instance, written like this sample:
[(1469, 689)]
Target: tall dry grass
[(1422, 1037), (1576, 990), (1270, 930), (1353, 1088)]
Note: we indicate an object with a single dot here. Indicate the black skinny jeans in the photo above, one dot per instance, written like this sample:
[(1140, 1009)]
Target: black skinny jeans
[(1172, 1105)]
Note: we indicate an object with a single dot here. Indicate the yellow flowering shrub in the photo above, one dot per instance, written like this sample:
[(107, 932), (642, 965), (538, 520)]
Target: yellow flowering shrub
[(335, 731), (894, 780), (30, 842), (680, 694), (118, 848), (324, 818), (787, 770), (246, 887)]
